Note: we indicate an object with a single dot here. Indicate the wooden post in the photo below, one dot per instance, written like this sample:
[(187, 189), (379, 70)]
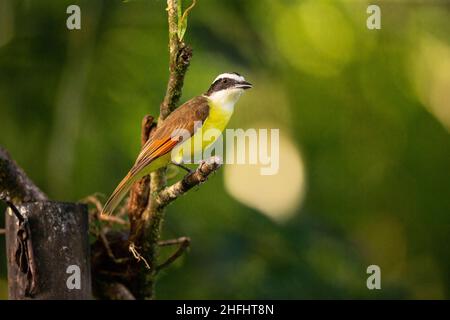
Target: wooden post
[(57, 251)]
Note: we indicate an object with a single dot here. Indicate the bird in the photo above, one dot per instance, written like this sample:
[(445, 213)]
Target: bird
[(212, 110)]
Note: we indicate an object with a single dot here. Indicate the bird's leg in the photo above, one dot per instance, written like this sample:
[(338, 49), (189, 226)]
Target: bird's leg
[(179, 165)]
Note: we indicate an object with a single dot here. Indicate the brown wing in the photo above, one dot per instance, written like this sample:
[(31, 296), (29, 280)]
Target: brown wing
[(164, 139)]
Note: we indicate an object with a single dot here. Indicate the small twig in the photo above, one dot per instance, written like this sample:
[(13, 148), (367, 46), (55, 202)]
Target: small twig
[(184, 243), (98, 207), (171, 242), (137, 255), (182, 166), (106, 244), (191, 180), (92, 199), (2, 231), (113, 219), (96, 215), (108, 249)]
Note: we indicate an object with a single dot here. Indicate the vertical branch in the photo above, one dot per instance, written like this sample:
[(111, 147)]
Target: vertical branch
[(180, 55)]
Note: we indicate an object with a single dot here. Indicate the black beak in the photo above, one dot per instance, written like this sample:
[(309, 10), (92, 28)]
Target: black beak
[(244, 85)]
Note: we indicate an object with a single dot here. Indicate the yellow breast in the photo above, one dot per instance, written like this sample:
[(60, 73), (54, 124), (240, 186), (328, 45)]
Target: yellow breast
[(218, 118), (216, 122)]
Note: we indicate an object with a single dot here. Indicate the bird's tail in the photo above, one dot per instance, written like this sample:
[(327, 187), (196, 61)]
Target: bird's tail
[(118, 194)]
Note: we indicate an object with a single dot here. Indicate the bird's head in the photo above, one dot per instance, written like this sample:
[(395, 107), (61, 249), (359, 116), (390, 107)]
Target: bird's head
[(227, 87)]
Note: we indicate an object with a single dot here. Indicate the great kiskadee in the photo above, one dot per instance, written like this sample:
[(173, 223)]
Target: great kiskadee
[(212, 110)]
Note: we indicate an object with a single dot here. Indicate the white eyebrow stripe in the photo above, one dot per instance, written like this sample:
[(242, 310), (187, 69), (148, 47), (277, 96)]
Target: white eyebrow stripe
[(230, 76)]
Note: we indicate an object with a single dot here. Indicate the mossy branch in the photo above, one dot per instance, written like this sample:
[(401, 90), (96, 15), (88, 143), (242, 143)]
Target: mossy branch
[(197, 177), (180, 56), (146, 215)]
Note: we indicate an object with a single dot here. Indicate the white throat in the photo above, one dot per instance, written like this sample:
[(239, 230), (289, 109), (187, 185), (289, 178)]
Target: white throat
[(226, 99)]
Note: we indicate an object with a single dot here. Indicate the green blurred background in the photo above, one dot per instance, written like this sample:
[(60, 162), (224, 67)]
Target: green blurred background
[(364, 118)]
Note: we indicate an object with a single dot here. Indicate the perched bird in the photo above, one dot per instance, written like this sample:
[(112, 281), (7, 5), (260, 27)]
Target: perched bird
[(212, 110)]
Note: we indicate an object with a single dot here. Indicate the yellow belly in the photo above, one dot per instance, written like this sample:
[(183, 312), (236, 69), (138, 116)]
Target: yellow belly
[(216, 122)]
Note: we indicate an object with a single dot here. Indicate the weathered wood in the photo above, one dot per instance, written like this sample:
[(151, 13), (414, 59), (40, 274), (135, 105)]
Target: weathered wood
[(59, 240)]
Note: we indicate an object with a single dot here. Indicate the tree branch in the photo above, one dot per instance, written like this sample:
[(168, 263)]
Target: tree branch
[(200, 175), (15, 186), (146, 205), (183, 243), (179, 60)]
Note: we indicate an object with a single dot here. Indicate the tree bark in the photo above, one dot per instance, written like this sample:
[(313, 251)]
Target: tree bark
[(56, 240)]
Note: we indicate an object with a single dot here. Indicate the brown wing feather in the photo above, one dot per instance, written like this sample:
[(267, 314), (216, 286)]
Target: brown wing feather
[(162, 142)]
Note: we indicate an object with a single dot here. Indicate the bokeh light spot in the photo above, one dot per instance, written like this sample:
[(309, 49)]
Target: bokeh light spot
[(277, 196), (315, 37), (431, 78)]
